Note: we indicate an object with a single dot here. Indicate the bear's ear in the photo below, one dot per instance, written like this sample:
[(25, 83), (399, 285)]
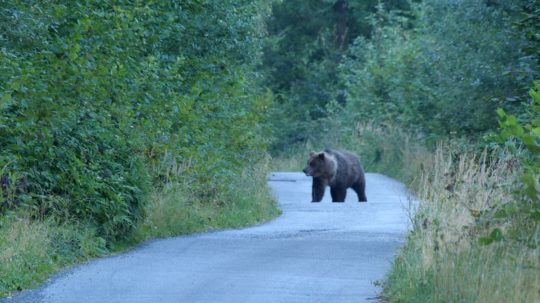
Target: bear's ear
[(321, 156)]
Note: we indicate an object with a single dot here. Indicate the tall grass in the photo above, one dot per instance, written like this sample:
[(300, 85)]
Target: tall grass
[(444, 259), (176, 209), (31, 250)]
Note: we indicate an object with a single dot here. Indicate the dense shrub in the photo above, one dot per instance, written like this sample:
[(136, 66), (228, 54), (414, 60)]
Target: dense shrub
[(94, 93), (523, 140)]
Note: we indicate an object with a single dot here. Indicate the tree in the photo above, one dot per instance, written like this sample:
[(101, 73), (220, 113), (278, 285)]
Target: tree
[(442, 71), (307, 42)]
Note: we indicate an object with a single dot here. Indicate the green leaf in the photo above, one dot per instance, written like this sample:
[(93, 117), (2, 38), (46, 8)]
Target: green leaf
[(15, 85), (5, 98), (495, 236)]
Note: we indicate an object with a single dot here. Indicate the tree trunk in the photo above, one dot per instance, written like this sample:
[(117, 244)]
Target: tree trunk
[(342, 12)]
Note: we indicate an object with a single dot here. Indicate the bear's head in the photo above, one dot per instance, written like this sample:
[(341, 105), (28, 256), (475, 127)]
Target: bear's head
[(321, 164)]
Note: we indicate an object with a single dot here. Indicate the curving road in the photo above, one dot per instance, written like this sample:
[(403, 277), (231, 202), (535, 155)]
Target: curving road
[(315, 252)]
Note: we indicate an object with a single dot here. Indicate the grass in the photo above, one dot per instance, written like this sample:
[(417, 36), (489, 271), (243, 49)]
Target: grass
[(460, 190), (175, 211), (444, 259), (31, 250), (501, 272)]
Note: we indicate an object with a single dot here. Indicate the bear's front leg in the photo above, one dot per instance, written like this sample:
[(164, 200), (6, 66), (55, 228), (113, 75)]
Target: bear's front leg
[(317, 190)]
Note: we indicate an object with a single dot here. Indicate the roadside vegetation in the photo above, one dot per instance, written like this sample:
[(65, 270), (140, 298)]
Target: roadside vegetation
[(173, 211), (121, 121), (441, 95)]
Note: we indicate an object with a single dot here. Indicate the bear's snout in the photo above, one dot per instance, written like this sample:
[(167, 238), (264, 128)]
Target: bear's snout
[(306, 171)]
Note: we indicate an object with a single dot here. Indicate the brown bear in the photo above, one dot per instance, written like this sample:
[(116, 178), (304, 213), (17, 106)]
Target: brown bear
[(340, 170)]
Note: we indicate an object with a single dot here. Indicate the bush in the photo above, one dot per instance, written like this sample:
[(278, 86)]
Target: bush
[(104, 105), (523, 140)]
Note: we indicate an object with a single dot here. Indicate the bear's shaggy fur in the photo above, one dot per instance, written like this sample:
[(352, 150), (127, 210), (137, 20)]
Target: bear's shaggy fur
[(338, 169)]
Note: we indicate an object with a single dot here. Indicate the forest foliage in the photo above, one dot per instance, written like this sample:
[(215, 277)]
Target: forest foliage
[(438, 68)]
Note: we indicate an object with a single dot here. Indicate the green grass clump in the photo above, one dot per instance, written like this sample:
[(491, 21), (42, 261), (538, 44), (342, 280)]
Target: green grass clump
[(31, 250), (498, 273), (176, 209)]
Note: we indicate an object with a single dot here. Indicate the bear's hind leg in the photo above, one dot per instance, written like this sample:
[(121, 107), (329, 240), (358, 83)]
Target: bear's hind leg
[(338, 194), (360, 188)]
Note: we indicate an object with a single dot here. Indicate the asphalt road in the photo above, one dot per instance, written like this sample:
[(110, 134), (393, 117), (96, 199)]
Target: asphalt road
[(315, 252)]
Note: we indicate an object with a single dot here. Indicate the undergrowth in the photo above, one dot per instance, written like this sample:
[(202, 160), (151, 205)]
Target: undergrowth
[(459, 249), (176, 209), (31, 250)]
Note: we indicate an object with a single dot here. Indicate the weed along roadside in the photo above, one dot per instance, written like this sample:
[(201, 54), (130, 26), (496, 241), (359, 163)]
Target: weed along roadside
[(476, 233), (461, 248)]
